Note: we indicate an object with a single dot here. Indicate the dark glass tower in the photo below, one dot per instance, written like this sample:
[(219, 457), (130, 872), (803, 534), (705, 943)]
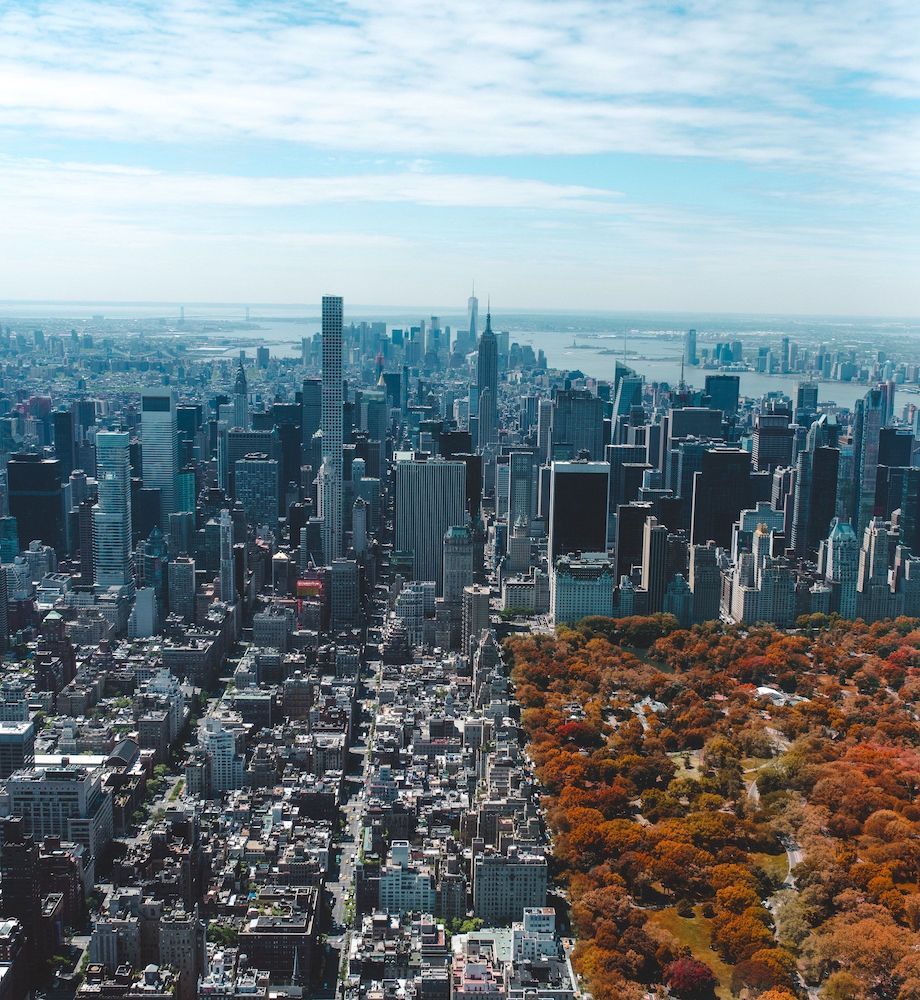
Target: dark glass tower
[(36, 499)]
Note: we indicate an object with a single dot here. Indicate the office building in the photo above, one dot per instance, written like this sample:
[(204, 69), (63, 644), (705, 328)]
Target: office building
[(578, 508), (578, 425), (17, 746), (160, 448), (487, 385), (67, 801), (522, 487), (723, 392), (181, 583), (331, 426), (458, 562), (815, 493), (690, 356), (112, 512), (62, 425), (9, 539), (345, 596), (721, 489), (773, 440), (869, 416), (806, 402), (256, 479), (474, 614), (36, 498), (430, 498), (705, 582), (654, 563)]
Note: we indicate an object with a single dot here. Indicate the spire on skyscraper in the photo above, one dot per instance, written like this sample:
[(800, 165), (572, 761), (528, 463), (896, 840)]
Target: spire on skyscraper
[(239, 386)]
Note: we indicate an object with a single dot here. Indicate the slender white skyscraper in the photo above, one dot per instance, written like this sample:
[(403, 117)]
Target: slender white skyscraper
[(227, 587), (331, 425), (328, 498), (472, 304), (112, 513), (160, 447)]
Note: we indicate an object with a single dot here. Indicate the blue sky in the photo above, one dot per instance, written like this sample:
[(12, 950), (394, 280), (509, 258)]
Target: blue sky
[(743, 156)]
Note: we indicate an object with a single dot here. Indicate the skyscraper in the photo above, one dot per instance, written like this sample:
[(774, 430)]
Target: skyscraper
[(474, 615), (487, 383), (721, 489), (62, 424), (312, 401), (181, 577), (430, 498), (227, 584), (578, 424), (257, 488), (458, 563), (522, 477), (690, 357), (705, 582), (472, 305), (723, 392), (869, 418), (241, 400), (578, 508), (654, 563), (773, 438), (36, 499), (815, 487), (112, 513), (331, 425), (160, 447), (840, 559)]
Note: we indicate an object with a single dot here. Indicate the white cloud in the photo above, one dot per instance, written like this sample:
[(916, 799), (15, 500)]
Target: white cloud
[(114, 187), (756, 82)]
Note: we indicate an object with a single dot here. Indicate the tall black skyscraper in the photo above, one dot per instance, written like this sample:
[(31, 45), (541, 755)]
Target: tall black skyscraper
[(37, 499), (815, 487), (723, 392), (578, 508), (721, 490), (869, 416), (62, 424)]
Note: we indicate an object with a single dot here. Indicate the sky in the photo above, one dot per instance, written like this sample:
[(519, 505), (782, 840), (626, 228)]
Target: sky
[(707, 155)]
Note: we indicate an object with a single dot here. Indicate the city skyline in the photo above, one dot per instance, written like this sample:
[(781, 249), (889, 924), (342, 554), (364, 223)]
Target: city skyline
[(617, 156)]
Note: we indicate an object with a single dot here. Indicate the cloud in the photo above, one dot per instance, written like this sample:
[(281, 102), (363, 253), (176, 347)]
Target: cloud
[(115, 187), (778, 83)]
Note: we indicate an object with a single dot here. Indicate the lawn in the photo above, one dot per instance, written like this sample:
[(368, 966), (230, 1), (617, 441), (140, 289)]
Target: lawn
[(775, 865), (680, 758), (694, 933)]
